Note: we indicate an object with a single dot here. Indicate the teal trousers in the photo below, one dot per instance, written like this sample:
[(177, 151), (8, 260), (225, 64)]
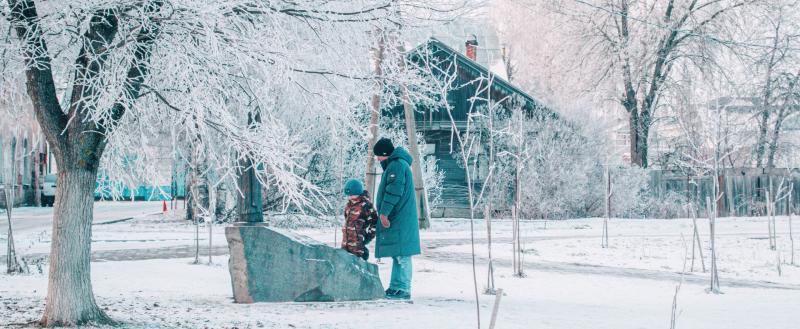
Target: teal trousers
[(401, 274)]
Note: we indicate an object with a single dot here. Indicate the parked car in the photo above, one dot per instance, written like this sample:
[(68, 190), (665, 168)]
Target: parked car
[(49, 190)]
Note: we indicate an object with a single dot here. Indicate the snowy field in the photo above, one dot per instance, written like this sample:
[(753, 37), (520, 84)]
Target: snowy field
[(143, 277)]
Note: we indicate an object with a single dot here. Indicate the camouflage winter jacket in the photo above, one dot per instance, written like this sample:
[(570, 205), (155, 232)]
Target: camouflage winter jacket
[(359, 226)]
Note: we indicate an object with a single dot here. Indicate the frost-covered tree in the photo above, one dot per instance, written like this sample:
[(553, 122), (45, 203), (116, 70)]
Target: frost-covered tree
[(629, 49), (103, 75), (774, 74)]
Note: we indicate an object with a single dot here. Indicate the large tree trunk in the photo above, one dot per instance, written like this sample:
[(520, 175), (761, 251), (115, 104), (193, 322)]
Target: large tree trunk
[(763, 123), (77, 147), (776, 133), (638, 135), (70, 300), (249, 203)]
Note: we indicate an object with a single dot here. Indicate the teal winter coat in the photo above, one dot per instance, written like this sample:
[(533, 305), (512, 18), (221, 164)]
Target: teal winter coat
[(396, 200)]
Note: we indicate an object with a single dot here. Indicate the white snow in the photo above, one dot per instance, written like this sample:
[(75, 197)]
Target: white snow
[(564, 288), (191, 296), (742, 246)]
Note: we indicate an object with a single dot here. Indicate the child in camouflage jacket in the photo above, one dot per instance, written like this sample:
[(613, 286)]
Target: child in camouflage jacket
[(360, 219)]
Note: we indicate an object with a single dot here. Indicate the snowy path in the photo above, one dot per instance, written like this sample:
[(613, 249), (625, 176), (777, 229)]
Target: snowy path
[(432, 252), (27, 219), (577, 268)]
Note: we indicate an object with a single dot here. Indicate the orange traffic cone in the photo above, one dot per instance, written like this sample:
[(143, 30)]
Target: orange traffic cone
[(164, 206)]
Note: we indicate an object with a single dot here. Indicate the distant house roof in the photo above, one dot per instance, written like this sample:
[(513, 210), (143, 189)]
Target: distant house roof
[(438, 49)]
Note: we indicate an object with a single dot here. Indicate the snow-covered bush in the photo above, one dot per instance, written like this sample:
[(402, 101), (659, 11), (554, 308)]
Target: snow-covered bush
[(630, 190), (634, 197), (561, 166), (562, 175), (434, 180)]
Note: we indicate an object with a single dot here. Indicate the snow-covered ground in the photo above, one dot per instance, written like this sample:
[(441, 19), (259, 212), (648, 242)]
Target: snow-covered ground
[(742, 246), (143, 277), (173, 293)]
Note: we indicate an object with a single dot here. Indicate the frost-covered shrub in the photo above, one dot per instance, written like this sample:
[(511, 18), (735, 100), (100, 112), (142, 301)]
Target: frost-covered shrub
[(634, 197), (670, 205), (561, 174), (630, 186), (434, 180)]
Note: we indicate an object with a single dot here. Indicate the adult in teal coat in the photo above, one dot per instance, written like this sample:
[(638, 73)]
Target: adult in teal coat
[(398, 234)]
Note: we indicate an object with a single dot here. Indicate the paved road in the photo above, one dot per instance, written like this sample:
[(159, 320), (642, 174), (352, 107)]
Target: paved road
[(41, 218)]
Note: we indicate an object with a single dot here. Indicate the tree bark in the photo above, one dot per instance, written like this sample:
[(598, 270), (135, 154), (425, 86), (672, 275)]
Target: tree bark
[(375, 114), (77, 148), (70, 300), (763, 121), (515, 211), (423, 212), (638, 146), (766, 101), (776, 133), (249, 202)]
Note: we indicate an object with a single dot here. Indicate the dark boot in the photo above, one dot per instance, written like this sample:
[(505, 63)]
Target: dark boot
[(399, 294)]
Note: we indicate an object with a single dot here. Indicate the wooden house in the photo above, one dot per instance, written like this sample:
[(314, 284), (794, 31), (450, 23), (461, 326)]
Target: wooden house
[(471, 85)]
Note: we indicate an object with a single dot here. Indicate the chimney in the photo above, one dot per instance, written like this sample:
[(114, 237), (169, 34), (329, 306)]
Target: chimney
[(472, 47)]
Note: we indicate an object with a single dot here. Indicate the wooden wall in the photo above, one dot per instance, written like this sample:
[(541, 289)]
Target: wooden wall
[(744, 190)]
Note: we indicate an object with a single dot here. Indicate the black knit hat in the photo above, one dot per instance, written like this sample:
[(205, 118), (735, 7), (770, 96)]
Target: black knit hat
[(383, 147)]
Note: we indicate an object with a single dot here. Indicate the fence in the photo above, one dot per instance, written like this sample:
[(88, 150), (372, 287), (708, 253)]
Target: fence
[(744, 190)]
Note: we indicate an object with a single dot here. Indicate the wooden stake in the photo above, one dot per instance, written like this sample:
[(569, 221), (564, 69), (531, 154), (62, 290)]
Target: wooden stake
[(769, 223), (714, 274), (497, 298), (696, 240), (490, 277), (791, 235), (604, 242)]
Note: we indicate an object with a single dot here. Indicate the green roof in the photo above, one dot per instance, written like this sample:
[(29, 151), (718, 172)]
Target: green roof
[(437, 48)]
